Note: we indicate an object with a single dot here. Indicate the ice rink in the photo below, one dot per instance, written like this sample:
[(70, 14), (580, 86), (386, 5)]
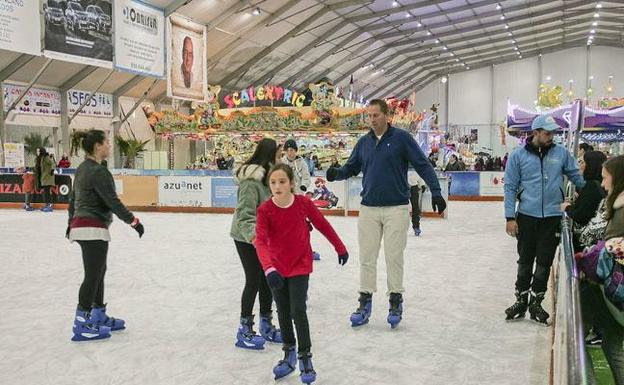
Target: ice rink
[(179, 290)]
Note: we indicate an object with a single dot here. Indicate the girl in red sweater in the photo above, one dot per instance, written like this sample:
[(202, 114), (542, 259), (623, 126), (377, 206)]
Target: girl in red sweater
[(283, 245)]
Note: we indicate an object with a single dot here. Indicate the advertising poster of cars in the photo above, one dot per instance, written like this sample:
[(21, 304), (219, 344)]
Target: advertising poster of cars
[(39, 101), (79, 31), (187, 71), (139, 38), (17, 31)]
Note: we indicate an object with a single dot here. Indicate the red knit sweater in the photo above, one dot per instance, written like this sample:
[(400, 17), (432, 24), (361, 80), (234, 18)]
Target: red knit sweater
[(283, 236)]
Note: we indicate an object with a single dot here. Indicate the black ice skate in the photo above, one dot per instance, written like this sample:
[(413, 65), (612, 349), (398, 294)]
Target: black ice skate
[(518, 310), (536, 311)]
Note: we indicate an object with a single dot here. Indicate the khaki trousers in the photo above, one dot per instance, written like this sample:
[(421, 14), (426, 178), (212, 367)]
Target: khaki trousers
[(390, 224)]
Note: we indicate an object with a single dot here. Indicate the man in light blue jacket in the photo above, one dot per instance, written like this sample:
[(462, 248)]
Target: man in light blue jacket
[(534, 177)]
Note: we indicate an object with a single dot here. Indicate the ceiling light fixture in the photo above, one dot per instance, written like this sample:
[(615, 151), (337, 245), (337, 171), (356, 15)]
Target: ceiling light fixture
[(598, 5), (419, 24), (506, 26), (408, 15), (509, 33), (444, 79), (437, 41), (498, 7), (395, 4), (428, 33), (592, 31), (596, 15), (468, 67), (256, 12), (444, 48), (595, 24), (502, 17)]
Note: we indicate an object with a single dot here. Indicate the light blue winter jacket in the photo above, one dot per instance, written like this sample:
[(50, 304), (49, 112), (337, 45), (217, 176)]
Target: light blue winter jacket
[(536, 180)]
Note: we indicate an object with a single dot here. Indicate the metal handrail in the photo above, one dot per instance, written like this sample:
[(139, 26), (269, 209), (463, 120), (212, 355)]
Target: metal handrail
[(574, 332)]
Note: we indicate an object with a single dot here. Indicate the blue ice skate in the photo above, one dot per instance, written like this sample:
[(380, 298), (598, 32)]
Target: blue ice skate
[(308, 375), (417, 231), (99, 317), (287, 365), (47, 208), (395, 313), (362, 314), (316, 256), (268, 330), (246, 337), (85, 330)]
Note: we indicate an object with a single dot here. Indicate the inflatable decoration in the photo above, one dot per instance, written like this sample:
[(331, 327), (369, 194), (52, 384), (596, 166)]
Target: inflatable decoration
[(549, 97), (323, 102)]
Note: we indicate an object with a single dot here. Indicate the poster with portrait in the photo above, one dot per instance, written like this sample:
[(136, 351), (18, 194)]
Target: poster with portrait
[(139, 38), (187, 71), (17, 31), (79, 31)]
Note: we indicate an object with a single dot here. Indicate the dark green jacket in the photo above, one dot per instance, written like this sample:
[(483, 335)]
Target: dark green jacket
[(251, 194), (615, 227), (94, 196)]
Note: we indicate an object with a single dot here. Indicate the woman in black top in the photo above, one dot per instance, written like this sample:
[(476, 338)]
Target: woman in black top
[(91, 204), (585, 206)]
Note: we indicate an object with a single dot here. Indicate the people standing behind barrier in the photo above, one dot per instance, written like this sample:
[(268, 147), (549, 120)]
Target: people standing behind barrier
[(584, 207), (64, 162), (606, 319), (504, 161), (534, 177), (479, 164), (44, 177), (453, 164), (583, 148)]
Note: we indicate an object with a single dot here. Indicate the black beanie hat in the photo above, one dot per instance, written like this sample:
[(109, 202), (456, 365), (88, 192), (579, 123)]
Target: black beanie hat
[(290, 143)]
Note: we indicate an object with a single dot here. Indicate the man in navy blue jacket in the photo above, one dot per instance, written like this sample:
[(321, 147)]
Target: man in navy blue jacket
[(383, 156)]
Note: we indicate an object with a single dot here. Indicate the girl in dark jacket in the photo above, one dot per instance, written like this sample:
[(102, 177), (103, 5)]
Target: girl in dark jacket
[(585, 206), (44, 176), (92, 203)]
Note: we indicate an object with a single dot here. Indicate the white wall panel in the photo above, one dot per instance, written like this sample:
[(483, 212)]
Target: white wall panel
[(604, 62), (470, 97), (516, 81)]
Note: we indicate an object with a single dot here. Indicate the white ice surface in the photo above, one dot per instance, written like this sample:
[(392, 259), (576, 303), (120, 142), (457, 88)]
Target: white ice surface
[(179, 289)]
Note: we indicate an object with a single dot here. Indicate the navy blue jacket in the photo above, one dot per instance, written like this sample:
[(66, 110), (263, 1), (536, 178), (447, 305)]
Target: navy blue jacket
[(384, 163)]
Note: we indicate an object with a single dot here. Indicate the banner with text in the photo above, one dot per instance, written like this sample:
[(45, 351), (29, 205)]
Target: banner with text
[(79, 31), (188, 191), (17, 31), (14, 155), (47, 102), (139, 38)]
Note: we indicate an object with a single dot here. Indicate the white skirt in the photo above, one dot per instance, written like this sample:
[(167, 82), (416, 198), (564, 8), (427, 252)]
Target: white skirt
[(89, 234)]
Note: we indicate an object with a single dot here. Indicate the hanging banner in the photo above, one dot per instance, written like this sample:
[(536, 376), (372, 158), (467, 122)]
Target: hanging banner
[(48, 102), (139, 38), (79, 31), (100, 106), (264, 96), (14, 155), (187, 70), (17, 31)]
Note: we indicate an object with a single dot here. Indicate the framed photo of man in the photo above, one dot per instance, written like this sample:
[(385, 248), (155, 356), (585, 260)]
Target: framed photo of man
[(187, 70)]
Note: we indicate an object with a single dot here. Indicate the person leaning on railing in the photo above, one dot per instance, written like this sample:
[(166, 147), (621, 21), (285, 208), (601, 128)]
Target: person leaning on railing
[(603, 315)]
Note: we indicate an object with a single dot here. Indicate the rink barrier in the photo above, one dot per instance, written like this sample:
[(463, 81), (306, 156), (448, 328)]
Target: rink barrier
[(568, 365), (196, 192)]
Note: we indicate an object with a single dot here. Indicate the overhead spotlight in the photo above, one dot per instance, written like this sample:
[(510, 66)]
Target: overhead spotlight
[(509, 33), (498, 7), (428, 33), (596, 15), (444, 48), (506, 26), (548, 78), (395, 3), (256, 11), (451, 53), (520, 56), (513, 41), (502, 17), (592, 31), (408, 15), (463, 64), (437, 41), (591, 77), (419, 24), (610, 77), (457, 60), (571, 81), (444, 79), (540, 55), (515, 48), (383, 70), (598, 5), (595, 24), (467, 67)]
